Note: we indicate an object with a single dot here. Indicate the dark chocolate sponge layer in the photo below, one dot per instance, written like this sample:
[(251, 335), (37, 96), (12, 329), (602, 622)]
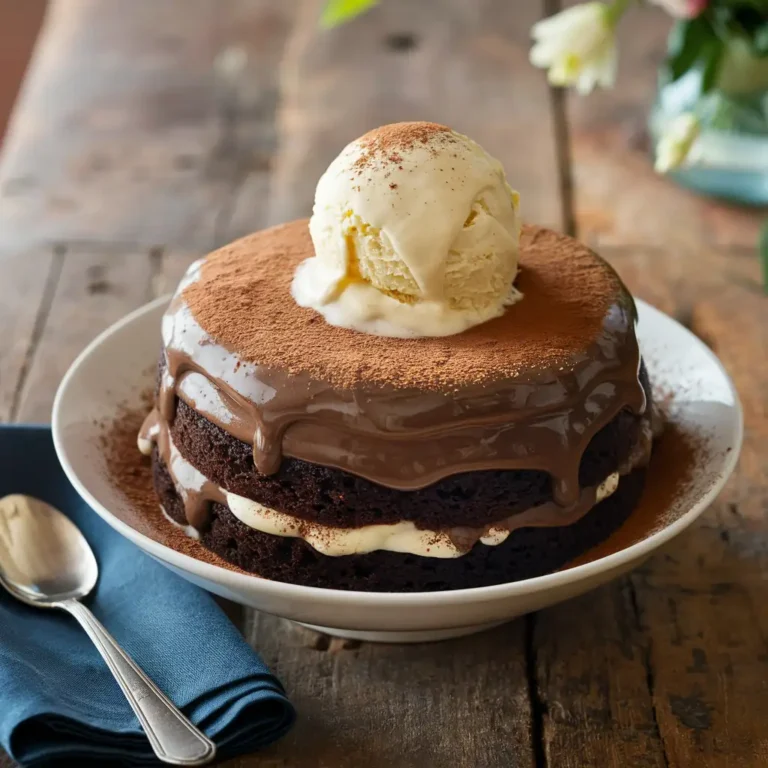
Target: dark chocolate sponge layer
[(528, 552), (336, 498)]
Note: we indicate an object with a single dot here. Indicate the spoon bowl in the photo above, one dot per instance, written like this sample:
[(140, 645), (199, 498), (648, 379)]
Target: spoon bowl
[(44, 558)]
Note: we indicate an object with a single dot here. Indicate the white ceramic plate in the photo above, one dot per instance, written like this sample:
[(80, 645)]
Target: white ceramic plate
[(119, 365)]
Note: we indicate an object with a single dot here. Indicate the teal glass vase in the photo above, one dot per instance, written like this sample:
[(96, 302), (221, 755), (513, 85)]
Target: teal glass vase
[(730, 158)]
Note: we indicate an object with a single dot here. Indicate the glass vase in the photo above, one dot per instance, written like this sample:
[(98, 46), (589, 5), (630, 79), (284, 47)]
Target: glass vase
[(730, 157)]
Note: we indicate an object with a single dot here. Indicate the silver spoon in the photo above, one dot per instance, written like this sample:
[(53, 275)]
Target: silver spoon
[(46, 562)]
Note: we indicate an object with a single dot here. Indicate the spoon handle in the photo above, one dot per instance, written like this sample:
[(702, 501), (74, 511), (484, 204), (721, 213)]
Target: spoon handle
[(173, 737)]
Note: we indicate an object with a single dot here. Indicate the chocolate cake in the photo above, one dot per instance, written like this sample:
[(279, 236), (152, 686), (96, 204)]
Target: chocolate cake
[(316, 454)]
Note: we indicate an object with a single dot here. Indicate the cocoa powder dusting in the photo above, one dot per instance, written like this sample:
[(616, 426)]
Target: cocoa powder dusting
[(384, 144), (670, 477), (242, 299), (119, 446)]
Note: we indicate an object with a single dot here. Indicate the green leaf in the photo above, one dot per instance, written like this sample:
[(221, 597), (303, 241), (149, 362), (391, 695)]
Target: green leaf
[(338, 11), (712, 55), (685, 45), (762, 252)]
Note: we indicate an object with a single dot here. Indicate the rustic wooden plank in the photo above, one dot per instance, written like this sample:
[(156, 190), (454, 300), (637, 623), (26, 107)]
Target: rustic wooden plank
[(591, 659), (137, 123), (96, 288), (27, 282), (618, 197), (708, 658), (464, 64), (461, 702)]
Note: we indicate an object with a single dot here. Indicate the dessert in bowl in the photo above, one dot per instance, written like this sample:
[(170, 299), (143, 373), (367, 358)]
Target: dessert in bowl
[(408, 392), (100, 406), (407, 419)]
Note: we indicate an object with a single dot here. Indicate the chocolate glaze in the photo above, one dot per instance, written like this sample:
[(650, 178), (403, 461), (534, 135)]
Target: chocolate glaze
[(405, 438), (196, 491)]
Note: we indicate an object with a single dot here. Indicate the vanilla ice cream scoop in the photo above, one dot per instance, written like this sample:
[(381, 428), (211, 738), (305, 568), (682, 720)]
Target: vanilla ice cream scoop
[(416, 233)]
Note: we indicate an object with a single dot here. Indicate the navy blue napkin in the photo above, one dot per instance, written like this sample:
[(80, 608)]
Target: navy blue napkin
[(59, 704)]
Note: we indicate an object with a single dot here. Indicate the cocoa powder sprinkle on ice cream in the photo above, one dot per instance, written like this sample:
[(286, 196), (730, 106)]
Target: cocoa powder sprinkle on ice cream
[(382, 144)]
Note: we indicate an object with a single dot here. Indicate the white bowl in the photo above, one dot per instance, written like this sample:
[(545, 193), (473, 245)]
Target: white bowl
[(115, 368)]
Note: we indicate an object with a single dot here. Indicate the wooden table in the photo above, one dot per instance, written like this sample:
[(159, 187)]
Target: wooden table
[(149, 132)]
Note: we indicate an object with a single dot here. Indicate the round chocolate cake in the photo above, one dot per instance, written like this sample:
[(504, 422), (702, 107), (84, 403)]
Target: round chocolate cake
[(321, 455)]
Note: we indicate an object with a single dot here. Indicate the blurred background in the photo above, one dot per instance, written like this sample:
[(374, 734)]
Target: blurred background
[(189, 122)]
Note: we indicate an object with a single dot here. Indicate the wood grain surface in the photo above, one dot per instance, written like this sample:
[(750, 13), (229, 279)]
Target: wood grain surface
[(149, 132)]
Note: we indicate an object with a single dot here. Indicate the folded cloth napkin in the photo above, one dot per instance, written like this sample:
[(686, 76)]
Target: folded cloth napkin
[(59, 704)]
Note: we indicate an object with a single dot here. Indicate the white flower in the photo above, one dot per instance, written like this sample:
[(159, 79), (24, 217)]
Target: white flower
[(577, 46), (676, 142), (682, 9)]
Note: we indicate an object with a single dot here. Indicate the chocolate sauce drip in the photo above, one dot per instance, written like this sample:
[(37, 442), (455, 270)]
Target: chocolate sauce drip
[(198, 492), (195, 490), (406, 438), (547, 515)]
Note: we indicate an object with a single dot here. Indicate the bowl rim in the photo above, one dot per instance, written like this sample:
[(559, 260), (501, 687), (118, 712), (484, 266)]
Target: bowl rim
[(277, 589)]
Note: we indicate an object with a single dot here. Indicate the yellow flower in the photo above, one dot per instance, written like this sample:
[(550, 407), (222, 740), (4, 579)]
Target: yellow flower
[(578, 46)]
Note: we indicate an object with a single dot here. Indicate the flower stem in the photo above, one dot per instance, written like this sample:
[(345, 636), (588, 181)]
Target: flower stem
[(762, 254)]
